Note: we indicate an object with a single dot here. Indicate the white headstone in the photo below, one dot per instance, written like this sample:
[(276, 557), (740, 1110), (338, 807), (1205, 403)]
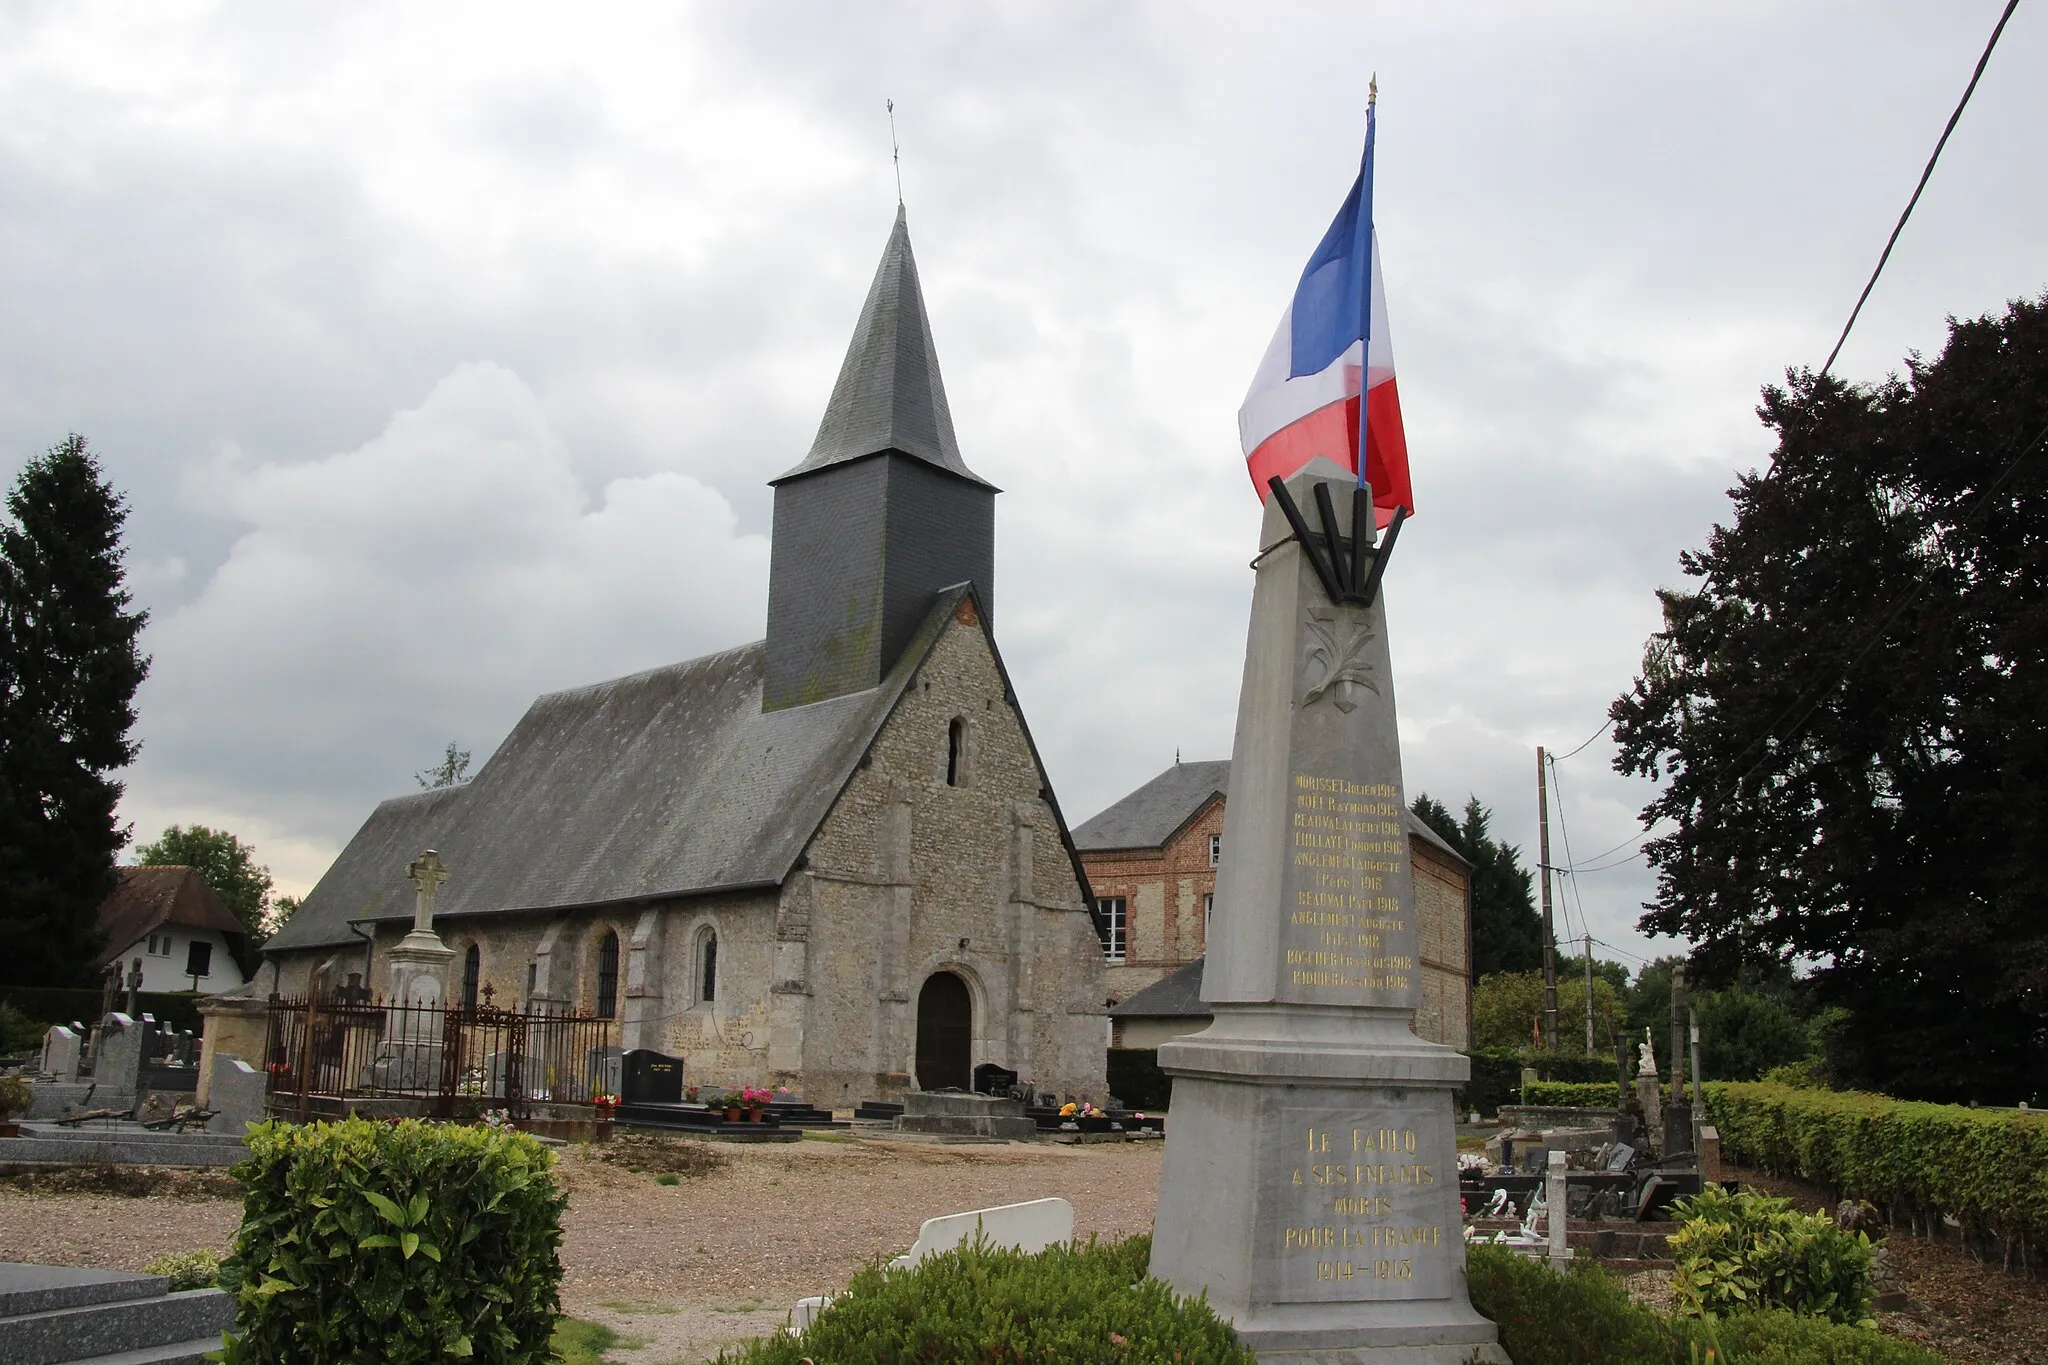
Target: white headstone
[(60, 1054)]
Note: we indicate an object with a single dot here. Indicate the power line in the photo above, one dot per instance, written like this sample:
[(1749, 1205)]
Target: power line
[(1558, 758), (1925, 174)]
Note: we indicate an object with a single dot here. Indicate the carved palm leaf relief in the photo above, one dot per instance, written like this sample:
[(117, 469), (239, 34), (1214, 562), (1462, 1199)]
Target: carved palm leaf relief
[(1334, 660)]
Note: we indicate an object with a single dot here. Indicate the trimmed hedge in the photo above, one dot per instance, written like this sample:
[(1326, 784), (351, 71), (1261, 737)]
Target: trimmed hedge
[(1914, 1161), (394, 1242), (1584, 1314), (49, 1005), (1497, 1076), (1135, 1078), (1090, 1304), (1572, 1095)]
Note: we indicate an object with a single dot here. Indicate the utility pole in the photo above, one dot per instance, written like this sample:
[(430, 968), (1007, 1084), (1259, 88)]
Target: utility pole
[(1549, 937), (1589, 989)]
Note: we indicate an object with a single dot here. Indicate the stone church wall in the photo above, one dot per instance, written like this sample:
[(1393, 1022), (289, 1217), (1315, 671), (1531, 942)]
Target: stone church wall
[(910, 876), (1441, 915)]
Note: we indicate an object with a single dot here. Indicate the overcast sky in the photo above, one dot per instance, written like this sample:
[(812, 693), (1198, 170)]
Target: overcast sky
[(444, 351)]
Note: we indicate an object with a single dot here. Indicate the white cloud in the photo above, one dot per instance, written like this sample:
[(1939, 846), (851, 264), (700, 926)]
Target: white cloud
[(423, 586)]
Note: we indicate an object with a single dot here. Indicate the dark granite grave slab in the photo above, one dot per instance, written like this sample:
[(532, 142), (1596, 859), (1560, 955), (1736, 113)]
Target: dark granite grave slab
[(28, 1288), (649, 1077)]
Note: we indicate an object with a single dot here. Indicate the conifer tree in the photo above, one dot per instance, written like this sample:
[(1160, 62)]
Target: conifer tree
[(69, 668)]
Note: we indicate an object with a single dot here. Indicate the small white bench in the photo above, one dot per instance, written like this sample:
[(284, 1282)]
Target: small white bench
[(1031, 1226)]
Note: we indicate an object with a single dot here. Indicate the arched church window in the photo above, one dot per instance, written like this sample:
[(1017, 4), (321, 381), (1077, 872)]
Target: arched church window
[(608, 977), (707, 966), (472, 973)]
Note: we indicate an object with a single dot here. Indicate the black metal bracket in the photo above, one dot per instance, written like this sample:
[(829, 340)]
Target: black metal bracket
[(1348, 567)]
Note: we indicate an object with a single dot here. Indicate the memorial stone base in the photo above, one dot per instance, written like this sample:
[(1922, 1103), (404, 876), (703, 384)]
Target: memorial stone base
[(961, 1114), (1330, 1230)]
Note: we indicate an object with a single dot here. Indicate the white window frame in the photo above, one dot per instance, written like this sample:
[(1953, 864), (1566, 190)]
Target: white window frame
[(1116, 916), (1215, 850)]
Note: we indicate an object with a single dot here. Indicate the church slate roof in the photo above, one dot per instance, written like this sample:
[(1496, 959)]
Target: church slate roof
[(889, 395), (1155, 812), (666, 783)]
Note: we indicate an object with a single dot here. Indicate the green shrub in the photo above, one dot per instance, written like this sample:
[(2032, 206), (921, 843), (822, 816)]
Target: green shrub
[(1547, 1318), (1914, 1161), (1777, 1337), (1741, 1252), (1572, 1094), (187, 1270), (1077, 1304), (1804, 1075), (1497, 1075), (15, 1097), (1584, 1316), (398, 1243)]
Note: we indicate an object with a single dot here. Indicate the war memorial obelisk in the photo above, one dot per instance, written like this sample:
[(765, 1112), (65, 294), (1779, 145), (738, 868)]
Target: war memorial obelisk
[(1310, 1183)]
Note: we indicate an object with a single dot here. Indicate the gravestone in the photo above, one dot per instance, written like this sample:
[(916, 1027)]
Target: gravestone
[(417, 965), (602, 1065), (649, 1077), (118, 1061), (236, 1096), (990, 1079), (60, 1054), (1310, 1183)]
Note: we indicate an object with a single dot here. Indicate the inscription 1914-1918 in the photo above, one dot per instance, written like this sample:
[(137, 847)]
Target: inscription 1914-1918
[(1348, 934), (1363, 1212)]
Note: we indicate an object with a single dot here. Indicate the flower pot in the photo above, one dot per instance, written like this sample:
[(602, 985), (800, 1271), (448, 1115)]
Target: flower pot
[(732, 1113), (10, 1129), (753, 1113)]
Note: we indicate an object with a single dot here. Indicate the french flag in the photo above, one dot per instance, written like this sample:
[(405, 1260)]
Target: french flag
[(1304, 401)]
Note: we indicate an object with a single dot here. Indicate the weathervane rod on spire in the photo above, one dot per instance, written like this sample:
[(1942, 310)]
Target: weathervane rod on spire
[(895, 153)]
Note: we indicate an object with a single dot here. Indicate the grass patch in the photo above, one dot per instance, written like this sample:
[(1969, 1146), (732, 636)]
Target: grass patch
[(579, 1341), (127, 1182), (668, 1178), (814, 1135), (661, 1154), (635, 1308)]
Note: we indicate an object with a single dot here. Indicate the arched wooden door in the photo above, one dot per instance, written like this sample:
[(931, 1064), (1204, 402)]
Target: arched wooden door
[(945, 1034)]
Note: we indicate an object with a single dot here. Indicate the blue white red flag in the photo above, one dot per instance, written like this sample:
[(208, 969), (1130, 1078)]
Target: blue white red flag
[(1331, 346)]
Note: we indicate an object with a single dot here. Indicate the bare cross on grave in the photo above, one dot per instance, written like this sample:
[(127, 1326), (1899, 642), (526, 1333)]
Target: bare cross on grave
[(426, 873)]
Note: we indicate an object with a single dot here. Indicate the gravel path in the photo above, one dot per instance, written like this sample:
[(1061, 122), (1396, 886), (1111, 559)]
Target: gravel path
[(683, 1268)]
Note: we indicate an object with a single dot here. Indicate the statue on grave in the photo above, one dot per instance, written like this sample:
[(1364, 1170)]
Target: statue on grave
[(1646, 1056), (426, 873)]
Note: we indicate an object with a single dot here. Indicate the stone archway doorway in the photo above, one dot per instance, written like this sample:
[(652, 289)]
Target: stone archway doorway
[(945, 1033)]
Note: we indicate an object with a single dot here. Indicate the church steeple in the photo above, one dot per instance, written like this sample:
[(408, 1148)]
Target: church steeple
[(882, 513), (889, 395)]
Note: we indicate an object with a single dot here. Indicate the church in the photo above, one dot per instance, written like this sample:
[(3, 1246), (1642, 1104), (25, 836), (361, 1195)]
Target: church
[(830, 859)]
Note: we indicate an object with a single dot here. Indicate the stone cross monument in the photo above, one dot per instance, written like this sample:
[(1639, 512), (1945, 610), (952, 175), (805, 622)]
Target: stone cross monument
[(417, 966), (1310, 1183)]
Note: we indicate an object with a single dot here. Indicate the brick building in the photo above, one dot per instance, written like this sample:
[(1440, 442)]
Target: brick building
[(830, 859), (1151, 859)]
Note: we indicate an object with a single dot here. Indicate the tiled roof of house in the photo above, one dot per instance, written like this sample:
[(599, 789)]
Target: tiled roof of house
[(147, 899), (1174, 996), (1155, 812)]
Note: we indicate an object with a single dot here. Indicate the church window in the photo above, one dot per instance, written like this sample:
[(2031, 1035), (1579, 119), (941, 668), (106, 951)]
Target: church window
[(532, 981), (1113, 924), (956, 753), (472, 972), (1215, 850), (1208, 908), (608, 977), (707, 966)]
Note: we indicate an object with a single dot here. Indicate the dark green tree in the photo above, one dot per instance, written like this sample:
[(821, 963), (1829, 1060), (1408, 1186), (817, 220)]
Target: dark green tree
[(1849, 710), (69, 667), (225, 863), (1507, 933)]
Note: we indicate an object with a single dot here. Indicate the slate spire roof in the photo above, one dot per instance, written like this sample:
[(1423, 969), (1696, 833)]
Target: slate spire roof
[(889, 395)]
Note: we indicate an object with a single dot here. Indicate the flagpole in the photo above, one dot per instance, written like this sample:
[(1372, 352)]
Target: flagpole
[(1372, 99)]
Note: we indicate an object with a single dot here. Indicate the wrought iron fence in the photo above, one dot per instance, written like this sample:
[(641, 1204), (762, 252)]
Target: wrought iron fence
[(328, 1053)]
